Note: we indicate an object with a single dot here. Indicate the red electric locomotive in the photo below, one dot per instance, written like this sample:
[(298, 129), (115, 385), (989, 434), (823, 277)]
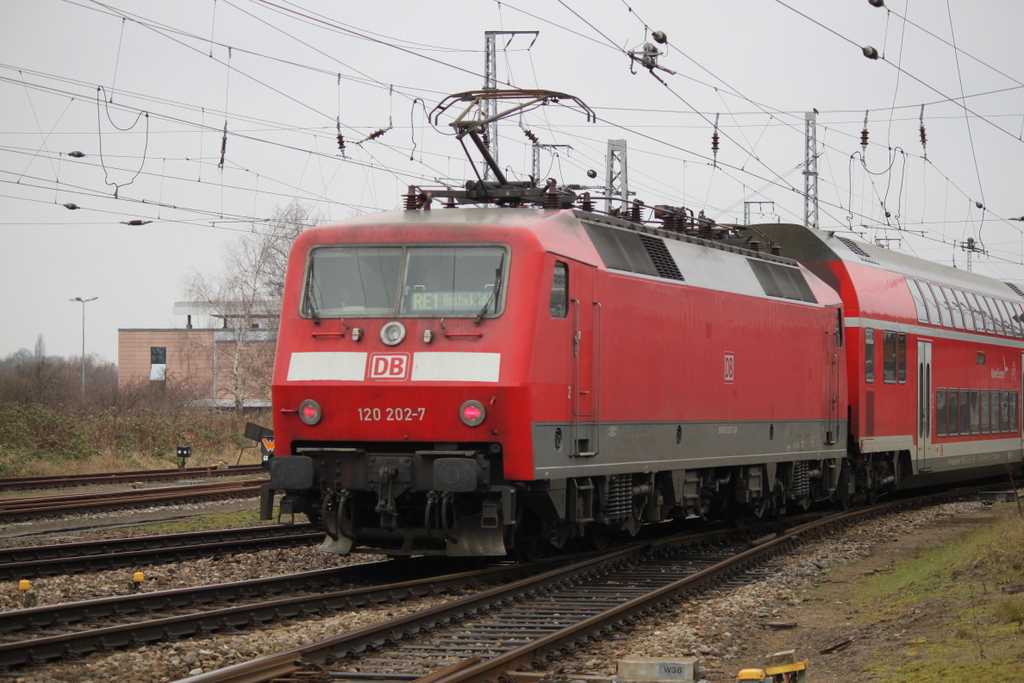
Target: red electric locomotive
[(934, 377)]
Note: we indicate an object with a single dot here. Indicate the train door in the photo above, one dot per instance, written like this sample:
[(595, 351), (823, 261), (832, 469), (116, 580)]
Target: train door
[(834, 342), (924, 403), (586, 358)]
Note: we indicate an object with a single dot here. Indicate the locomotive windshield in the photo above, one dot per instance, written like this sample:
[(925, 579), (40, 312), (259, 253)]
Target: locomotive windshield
[(427, 281)]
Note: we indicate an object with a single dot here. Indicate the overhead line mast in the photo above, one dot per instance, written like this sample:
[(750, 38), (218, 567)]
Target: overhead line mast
[(490, 133), (811, 169)]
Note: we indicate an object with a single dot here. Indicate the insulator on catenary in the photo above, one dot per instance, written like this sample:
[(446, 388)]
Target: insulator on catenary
[(924, 137), (864, 134), (76, 154), (876, 3), (659, 37), (530, 136), (223, 146), (71, 206), (870, 52), (136, 222), (376, 134), (714, 139)]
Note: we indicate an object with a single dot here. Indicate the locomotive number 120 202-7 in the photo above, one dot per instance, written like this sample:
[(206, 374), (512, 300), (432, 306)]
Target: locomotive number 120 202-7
[(391, 414)]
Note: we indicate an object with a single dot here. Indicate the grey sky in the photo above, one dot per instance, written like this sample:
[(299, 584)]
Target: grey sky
[(756, 65)]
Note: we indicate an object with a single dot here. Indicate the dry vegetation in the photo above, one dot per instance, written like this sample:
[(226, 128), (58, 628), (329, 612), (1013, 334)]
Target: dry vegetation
[(46, 427)]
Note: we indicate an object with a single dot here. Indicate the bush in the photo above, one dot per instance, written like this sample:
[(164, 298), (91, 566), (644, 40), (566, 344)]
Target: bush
[(36, 437)]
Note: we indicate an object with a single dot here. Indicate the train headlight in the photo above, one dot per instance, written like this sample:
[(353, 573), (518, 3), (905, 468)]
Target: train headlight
[(392, 333), (472, 413), (309, 411)]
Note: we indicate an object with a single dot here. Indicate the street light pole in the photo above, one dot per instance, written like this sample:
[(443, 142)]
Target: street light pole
[(83, 302)]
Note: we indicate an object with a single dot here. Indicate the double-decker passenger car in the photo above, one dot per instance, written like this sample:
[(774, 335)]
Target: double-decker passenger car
[(934, 358), (473, 381)]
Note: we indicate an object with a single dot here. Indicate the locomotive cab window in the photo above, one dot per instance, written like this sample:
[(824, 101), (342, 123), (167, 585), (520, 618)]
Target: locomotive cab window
[(378, 281), (559, 302), (452, 280)]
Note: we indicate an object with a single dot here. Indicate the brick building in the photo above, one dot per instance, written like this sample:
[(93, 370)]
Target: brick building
[(200, 362)]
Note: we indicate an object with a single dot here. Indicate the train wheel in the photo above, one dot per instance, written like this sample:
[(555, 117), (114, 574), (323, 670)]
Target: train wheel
[(598, 537)]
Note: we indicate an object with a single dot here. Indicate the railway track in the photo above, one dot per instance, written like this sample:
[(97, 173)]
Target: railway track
[(69, 558), (66, 480), (71, 630), (486, 636), (14, 509)]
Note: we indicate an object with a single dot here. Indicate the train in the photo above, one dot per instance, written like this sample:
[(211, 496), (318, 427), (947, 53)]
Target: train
[(513, 372), (517, 378)]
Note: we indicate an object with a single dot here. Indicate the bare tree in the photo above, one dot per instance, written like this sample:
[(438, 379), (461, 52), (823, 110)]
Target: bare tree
[(34, 377), (245, 297)]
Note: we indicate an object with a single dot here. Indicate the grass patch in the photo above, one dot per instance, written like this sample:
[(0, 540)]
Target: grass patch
[(208, 522), (960, 622)]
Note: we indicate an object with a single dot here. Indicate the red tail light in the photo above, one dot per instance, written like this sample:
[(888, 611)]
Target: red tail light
[(309, 411), (472, 413)]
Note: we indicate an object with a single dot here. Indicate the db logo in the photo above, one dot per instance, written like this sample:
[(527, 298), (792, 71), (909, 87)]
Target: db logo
[(730, 368), (389, 366)]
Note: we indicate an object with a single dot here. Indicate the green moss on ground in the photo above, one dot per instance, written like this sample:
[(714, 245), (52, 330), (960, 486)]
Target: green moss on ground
[(970, 628)]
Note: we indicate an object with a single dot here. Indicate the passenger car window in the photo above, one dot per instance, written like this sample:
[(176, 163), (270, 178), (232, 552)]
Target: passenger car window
[(1013, 411), (869, 355), (976, 309), (1012, 324), (930, 303), (889, 357), (985, 411), (952, 421), (922, 311), (940, 412), (940, 299), (965, 306), (997, 318), (965, 412), (901, 358), (994, 423), (1004, 411), (975, 411), (954, 308)]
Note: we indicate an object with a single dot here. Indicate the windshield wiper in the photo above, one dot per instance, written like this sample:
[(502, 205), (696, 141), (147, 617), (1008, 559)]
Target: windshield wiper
[(310, 306), (494, 291)]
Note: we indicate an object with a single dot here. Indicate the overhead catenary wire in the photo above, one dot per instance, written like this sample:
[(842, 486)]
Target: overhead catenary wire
[(334, 122)]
